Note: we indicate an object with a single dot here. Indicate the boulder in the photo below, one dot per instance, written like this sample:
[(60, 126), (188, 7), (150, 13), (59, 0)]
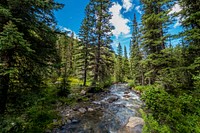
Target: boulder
[(126, 92), (134, 121), (134, 125), (112, 99)]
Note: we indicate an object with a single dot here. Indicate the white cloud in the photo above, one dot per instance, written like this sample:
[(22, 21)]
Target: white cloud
[(127, 4), (118, 21), (64, 29), (175, 9), (137, 8), (178, 22)]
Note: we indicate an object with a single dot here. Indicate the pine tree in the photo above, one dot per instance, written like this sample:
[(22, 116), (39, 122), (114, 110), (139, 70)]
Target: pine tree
[(63, 48), (27, 45), (13, 50), (190, 15), (126, 68), (135, 53), (155, 21), (86, 39), (102, 39), (119, 70)]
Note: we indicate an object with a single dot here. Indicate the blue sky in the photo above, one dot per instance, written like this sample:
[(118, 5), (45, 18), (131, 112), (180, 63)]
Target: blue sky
[(71, 16)]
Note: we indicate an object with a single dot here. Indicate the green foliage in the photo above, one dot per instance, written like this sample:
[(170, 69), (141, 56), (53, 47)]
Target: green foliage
[(136, 69), (12, 124), (152, 126), (180, 114), (155, 22), (131, 83), (39, 117), (95, 56), (143, 89)]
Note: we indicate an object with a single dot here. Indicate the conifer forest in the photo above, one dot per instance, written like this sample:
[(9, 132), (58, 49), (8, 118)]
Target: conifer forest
[(58, 81)]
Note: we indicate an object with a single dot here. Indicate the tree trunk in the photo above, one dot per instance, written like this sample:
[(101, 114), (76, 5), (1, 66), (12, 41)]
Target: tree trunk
[(85, 72), (96, 75), (4, 92), (142, 78)]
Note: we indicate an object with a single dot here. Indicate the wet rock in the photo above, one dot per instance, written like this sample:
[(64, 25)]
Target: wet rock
[(75, 109), (68, 121), (112, 99), (90, 109), (74, 121), (63, 122), (134, 121), (138, 129), (67, 115), (138, 92), (126, 96), (126, 92), (63, 127), (82, 110), (134, 125)]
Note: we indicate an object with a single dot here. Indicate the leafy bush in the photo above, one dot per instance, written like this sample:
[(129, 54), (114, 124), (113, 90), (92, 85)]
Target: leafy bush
[(181, 114), (152, 126), (39, 117), (142, 88), (131, 84), (12, 124)]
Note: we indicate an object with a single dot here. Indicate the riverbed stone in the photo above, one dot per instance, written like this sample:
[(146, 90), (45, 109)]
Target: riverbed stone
[(75, 121), (69, 121), (82, 110), (112, 99), (134, 121), (126, 92), (90, 109), (126, 96)]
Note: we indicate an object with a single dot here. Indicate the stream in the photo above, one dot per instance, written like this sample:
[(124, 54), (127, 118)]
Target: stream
[(112, 114)]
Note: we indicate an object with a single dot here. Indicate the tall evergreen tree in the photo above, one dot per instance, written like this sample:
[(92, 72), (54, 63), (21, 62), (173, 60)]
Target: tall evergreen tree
[(135, 53), (155, 21), (126, 68), (119, 71), (102, 39), (31, 50), (190, 15), (86, 38)]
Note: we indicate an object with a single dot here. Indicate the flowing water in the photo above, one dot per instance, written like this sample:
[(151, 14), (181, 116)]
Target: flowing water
[(113, 113)]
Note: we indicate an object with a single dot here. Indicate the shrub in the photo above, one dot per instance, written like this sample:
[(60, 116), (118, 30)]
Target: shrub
[(180, 113)]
